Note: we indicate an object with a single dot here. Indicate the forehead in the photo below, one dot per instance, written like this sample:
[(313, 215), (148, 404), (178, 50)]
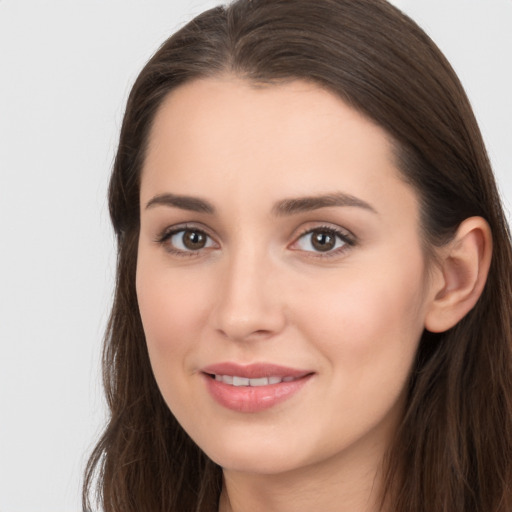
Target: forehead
[(228, 138)]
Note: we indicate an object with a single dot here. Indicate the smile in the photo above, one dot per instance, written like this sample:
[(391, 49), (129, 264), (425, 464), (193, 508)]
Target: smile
[(253, 388), (234, 380)]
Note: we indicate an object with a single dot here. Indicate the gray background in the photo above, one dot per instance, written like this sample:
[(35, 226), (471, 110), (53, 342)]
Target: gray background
[(65, 71)]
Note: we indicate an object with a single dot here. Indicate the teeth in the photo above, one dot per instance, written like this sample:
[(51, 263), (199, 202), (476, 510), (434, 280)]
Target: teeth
[(234, 380), (240, 381), (263, 381)]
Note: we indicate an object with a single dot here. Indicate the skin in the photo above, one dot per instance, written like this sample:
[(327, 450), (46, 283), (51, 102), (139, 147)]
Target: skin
[(260, 292)]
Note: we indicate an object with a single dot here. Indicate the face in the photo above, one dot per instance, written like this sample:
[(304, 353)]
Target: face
[(280, 279)]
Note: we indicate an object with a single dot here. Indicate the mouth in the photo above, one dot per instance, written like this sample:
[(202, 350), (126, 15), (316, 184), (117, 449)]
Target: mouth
[(253, 388), (235, 380)]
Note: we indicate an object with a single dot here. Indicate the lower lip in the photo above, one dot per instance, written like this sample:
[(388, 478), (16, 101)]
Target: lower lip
[(253, 399)]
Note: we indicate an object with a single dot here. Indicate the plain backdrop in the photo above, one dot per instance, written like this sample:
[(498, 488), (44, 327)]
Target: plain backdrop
[(66, 68)]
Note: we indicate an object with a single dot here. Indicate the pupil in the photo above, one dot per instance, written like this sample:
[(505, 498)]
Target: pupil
[(194, 240), (323, 241)]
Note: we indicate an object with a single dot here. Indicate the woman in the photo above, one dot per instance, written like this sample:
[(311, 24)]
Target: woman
[(313, 300)]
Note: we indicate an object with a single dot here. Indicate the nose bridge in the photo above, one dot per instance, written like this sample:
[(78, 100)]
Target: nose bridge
[(248, 303)]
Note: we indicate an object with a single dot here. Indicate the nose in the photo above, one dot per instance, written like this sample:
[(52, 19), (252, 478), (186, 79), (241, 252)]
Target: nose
[(249, 305)]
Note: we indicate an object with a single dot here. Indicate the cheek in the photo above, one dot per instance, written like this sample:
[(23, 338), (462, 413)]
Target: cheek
[(367, 333), (369, 324), (171, 310)]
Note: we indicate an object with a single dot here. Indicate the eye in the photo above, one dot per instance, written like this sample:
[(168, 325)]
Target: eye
[(323, 240), (186, 240)]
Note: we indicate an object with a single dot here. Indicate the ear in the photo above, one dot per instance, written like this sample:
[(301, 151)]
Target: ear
[(461, 276)]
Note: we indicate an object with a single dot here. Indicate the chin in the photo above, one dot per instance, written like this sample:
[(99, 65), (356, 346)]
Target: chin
[(246, 453), (254, 462)]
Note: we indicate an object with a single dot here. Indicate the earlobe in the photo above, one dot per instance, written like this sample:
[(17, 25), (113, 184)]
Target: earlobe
[(463, 269)]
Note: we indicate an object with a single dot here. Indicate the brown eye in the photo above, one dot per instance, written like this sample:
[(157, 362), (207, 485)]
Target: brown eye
[(323, 240), (187, 241), (194, 240)]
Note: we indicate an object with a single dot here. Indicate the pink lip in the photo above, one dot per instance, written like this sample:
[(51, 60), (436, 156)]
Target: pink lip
[(250, 399), (254, 371)]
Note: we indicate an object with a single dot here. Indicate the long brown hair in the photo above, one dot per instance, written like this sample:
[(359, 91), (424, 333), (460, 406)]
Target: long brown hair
[(453, 450)]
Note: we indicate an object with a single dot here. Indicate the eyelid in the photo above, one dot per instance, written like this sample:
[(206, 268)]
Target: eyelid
[(347, 237), (168, 232)]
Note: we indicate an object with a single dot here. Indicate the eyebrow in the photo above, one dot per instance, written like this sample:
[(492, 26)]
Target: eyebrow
[(305, 204), (282, 208), (193, 204)]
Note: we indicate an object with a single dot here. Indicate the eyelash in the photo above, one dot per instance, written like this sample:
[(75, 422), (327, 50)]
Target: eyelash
[(345, 237), (168, 233)]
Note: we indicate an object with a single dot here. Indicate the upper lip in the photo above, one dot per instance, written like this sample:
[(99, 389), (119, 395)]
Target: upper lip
[(255, 370)]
